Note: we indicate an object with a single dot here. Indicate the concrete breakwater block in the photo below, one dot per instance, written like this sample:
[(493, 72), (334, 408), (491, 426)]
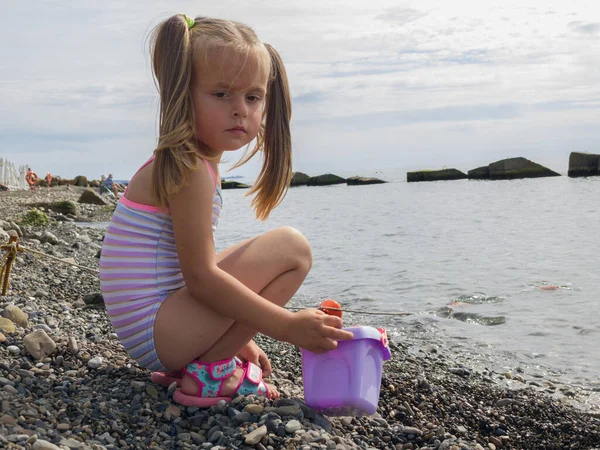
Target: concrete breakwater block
[(513, 168), (435, 175), (505, 169), (510, 169), (584, 164)]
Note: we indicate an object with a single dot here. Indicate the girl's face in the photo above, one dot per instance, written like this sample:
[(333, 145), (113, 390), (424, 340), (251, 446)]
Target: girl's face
[(229, 94)]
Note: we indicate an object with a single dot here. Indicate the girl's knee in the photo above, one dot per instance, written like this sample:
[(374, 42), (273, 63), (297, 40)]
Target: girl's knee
[(296, 245)]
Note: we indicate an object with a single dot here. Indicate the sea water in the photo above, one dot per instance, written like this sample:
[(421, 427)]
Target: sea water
[(506, 272)]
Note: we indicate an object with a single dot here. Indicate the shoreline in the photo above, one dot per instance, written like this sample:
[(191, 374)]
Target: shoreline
[(89, 391)]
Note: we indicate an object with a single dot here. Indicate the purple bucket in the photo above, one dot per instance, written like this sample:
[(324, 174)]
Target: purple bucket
[(346, 381)]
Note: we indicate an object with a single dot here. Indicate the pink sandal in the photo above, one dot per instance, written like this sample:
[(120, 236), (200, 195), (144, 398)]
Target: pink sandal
[(211, 377), (163, 379)]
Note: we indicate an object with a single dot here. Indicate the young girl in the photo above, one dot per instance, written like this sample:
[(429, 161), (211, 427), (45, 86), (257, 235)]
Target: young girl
[(180, 309)]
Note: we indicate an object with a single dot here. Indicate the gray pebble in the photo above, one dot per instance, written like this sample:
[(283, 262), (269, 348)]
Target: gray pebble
[(95, 362), (41, 444), (241, 418), (504, 402), (72, 345), (5, 381), (256, 436), (14, 350), (411, 430), (213, 430), (43, 326), (292, 426), (253, 408), (215, 436), (72, 444), (10, 389), (185, 437)]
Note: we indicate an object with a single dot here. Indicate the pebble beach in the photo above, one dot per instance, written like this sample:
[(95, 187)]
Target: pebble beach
[(67, 383)]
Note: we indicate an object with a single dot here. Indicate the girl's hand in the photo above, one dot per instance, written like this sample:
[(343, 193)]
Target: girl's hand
[(316, 331), (253, 353)]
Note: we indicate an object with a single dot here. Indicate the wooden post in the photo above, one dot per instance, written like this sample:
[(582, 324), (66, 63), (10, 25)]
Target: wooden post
[(8, 260)]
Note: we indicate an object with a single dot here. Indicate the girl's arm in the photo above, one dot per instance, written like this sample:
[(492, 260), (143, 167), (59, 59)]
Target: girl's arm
[(191, 212)]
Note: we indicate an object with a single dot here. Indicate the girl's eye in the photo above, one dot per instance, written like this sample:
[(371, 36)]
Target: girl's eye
[(220, 94), (253, 98)]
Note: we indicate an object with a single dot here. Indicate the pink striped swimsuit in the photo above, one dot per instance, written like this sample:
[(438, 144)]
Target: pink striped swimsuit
[(139, 268)]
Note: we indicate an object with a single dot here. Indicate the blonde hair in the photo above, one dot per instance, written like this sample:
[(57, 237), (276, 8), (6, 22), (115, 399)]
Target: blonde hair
[(174, 49)]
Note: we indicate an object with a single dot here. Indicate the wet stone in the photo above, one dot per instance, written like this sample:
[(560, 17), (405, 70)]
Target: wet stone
[(215, 436)]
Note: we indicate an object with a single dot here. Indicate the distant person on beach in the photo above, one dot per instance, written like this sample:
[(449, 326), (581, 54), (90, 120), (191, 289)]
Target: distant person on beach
[(180, 309), (101, 186), (31, 178), (48, 180), (102, 189), (112, 185)]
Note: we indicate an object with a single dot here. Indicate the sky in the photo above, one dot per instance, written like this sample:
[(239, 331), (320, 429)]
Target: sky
[(378, 87)]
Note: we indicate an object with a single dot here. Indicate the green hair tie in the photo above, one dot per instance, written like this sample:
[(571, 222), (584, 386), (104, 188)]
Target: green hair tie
[(190, 22)]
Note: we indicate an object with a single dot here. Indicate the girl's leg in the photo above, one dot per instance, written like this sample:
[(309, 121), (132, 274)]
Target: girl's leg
[(273, 265)]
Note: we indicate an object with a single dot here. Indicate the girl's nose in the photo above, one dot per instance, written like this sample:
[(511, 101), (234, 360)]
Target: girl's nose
[(240, 108)]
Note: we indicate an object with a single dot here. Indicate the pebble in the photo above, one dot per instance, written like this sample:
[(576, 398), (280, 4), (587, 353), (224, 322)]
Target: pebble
[(72, 444), (411, 430), (253, 408), (95, 362), (6, 381), (10, 389), (292, 426), (346, 421), (16, 315), (72, 345), (43, 326), (39, 345), (151, 391), (41, 444), (256, 436), (504, 402), (7, 326), (172, 412), (14, 350), (495, 441)]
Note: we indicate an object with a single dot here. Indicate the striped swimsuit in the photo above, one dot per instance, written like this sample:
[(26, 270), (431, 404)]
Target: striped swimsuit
[(139, 268)]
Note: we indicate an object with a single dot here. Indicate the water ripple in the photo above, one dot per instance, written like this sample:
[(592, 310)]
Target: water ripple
[(494, 247)]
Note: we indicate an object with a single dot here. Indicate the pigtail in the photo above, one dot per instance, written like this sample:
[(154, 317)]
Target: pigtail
[(176, 154), (276, 142)]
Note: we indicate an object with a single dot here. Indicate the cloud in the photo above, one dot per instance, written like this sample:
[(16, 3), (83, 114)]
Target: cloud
[(401, 16), (585, 27), (50, 138), (386, 119), (561, 105), (310, 97)]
